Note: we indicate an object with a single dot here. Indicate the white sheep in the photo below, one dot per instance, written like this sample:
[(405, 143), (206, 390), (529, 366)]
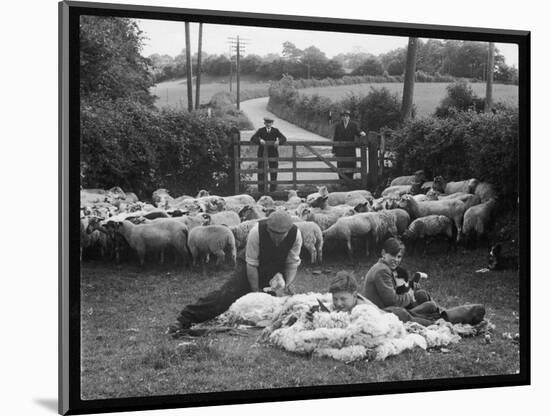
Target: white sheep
[(212, 239), (402, 219), (192, 221), (468, 185), (427, 228), (397, 190), (347, 197), (221, 218), (452, 208), (368, 226), (240, 232), (293, 200), (322, 219), (266, 201), (161, 198), (419, 176), (243, 199), (477, 220), (157, 235), (312, 240), (212, 204)]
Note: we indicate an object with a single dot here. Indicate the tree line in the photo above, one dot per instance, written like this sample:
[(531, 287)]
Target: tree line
[(460, 59)]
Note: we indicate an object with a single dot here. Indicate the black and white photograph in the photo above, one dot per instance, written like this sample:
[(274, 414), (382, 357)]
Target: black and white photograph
[(279, 208)]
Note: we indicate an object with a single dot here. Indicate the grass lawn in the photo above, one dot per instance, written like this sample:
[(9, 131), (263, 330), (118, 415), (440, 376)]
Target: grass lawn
[(174, 93), (126, 309), (427, 95)]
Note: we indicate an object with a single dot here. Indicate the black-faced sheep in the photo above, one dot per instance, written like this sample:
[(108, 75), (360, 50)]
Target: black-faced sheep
[(251, 212), (452, 208), (427, 228), (312, 240), (212, 239)]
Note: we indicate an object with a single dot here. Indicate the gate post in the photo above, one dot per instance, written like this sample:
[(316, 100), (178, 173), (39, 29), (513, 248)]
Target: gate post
[(235, 149), (363, 142), (373, 144), (266, 171)]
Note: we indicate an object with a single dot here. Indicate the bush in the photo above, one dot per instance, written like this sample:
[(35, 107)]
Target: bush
[(463, 145), (461, 97), (126, 144), (378, 109)]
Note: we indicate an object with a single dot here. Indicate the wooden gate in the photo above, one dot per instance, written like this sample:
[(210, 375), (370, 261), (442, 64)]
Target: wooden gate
[(302, 158)]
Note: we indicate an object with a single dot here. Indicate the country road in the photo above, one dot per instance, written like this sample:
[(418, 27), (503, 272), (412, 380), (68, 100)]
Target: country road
[(256, 110)]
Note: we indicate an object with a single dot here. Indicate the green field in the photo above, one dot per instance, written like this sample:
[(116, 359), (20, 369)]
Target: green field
[(125, 310), (427, 95), (174, 93)]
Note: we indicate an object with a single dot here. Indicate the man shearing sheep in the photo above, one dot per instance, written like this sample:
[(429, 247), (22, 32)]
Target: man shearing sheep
[(273, 246)]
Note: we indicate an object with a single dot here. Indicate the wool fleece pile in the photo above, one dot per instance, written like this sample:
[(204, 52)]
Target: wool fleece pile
[(367, 333)]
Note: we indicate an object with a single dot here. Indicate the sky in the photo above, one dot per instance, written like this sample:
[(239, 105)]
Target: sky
[(165, 37)]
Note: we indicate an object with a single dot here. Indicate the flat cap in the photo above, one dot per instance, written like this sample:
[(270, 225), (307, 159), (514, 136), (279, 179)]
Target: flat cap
[(345, 113), (268, 120), (279, 222)]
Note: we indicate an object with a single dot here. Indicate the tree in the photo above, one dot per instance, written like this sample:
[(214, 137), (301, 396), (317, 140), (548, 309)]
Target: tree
[(370, 66), (111, 65), (490, 72), (396, 67), (408, 86), (315, 60), (291, 52)]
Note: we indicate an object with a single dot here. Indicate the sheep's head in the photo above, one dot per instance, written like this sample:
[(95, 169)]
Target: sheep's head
[(266, 201), (432, 195), (207, 218), (245, 212), (202, 193), (319, 202), (405, 201), (292, 193), (472, 185), (323, 191), (362, 207), (439, 184)]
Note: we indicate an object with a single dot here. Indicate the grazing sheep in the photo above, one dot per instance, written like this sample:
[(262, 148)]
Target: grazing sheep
[(251, 212), (485, 191), (468, 185), (312, 240), (419, 176), (212, 239), (402, 219), (222, 218), (155, 236), (429, 227), (477, 220), (240, 232), (370, 225), (452, 208), (397, 190)]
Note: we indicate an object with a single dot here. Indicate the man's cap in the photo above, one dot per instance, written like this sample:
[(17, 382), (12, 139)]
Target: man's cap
[(268, 120), (345, 113), (279, 222)]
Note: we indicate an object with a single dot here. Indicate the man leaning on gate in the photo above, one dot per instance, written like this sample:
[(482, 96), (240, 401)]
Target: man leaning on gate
[(346, 131), (265, 134)]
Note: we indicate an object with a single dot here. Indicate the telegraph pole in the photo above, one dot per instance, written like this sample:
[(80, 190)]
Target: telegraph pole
[(199, 59), (189, 69), (238, 44)]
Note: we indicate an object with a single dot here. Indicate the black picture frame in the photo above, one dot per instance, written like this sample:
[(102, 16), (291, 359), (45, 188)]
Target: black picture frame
[(69, 287)]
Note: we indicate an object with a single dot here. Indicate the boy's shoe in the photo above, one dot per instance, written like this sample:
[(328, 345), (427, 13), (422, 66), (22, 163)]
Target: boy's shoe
[(178, 328)]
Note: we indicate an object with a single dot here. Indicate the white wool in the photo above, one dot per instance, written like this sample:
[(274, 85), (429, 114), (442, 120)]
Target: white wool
[(347, 354), (367, 332)]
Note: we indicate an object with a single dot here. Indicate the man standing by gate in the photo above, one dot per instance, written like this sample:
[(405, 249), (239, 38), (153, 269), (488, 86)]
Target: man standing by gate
[(268, 133), (346, 131)]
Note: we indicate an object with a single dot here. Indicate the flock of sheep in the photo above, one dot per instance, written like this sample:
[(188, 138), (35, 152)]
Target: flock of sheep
[(195, 228)]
